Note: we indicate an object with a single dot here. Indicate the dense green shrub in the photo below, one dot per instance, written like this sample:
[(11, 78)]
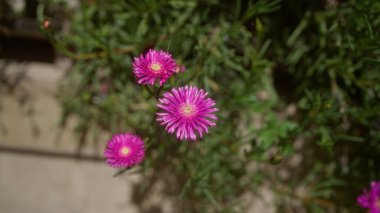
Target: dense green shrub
[(293, 80)]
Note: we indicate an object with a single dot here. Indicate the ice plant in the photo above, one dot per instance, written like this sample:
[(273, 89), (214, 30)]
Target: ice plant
[(154, 65), (124, 150), (186, 110), (370, 199)]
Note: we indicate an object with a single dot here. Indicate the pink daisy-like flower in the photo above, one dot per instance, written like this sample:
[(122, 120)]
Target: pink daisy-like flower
[(186, 110), (154, 65), (124, 150), (370, 199)]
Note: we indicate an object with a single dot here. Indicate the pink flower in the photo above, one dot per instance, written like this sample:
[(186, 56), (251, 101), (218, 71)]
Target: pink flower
[(186, 110), (154, 65), (370, 199), (124, 150)]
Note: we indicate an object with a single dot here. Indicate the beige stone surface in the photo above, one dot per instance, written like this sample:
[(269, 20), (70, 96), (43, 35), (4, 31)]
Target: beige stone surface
[(30, 113), (40, 184)]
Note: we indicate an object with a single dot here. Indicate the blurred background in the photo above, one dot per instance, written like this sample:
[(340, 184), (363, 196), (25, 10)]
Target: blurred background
[(41, 169), (296, 83)]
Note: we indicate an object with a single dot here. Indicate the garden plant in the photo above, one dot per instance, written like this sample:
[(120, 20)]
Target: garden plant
[(218, 100)]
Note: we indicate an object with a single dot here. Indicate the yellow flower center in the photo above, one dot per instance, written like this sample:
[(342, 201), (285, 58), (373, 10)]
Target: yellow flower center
[(187, 109), (155, 67), (125, 151)]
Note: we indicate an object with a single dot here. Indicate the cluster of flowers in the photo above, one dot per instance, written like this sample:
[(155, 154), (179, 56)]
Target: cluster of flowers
[(370, 199), (185, 110)]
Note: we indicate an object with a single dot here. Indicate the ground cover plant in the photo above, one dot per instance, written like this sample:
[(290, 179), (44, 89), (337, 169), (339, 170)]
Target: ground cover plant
[(296, 85)]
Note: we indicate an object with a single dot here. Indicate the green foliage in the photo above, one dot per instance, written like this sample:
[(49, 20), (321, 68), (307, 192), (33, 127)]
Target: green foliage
[(290, 79), (330, 54)]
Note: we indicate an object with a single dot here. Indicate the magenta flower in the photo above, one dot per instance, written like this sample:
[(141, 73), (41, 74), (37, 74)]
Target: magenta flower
[(186, 110), (371, 199), (154, 65), (124, 150)]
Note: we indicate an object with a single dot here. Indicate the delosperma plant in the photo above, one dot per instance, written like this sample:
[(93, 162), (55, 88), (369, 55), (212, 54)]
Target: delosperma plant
[(154, 66), (277, 96), (186, 110)]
